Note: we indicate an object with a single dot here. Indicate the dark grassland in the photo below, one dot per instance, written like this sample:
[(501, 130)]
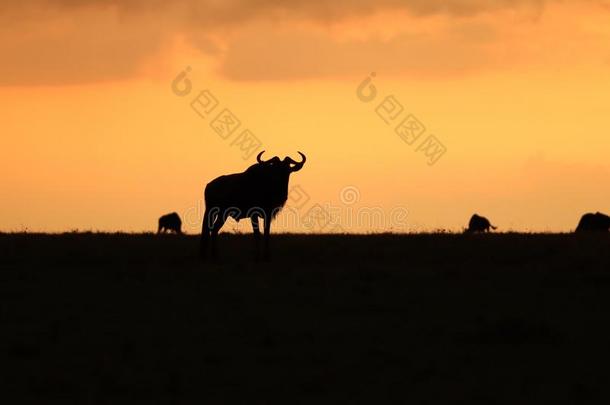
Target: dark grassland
[(425, 319)]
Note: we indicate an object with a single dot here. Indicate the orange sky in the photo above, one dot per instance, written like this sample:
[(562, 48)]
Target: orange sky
[(517, 91)]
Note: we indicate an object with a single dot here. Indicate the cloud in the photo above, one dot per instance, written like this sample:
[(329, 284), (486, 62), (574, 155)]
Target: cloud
[(297, 55), (241, 10), (61, 42), (69, 51)]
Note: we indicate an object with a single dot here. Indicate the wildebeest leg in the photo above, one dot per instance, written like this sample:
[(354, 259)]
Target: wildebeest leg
[(266, 254), (257, 235), (205, 233), (218, 223)]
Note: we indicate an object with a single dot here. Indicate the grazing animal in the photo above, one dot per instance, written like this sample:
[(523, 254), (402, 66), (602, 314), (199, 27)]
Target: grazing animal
[(479, 224), (259, 192), (597, 222), (170, 223)]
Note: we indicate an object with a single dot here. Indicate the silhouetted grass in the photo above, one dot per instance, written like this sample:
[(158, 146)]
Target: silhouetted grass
[(427, 318)]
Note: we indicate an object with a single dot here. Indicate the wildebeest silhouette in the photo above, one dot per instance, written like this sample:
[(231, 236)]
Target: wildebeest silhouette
[(259, 192), (597, 222), (170, 223), (479, 224)]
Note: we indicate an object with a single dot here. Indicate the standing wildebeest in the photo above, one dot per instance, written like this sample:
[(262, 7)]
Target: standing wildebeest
[(170, 222), (259, 192), (594, 222), (479, 224)]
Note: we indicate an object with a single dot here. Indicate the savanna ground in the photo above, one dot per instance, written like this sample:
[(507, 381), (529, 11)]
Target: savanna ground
[(424, 319)]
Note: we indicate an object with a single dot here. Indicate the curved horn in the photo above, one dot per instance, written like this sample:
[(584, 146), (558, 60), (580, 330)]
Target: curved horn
[(258, 157), (299, 165)]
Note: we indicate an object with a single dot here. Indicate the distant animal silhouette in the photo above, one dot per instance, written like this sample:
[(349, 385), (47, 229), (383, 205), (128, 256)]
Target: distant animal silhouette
[(479, 224), (170, 223), (259, 192), (597, 222)]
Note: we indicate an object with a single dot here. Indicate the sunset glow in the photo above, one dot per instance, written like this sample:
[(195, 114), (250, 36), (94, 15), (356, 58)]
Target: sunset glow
[(96, 138)]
